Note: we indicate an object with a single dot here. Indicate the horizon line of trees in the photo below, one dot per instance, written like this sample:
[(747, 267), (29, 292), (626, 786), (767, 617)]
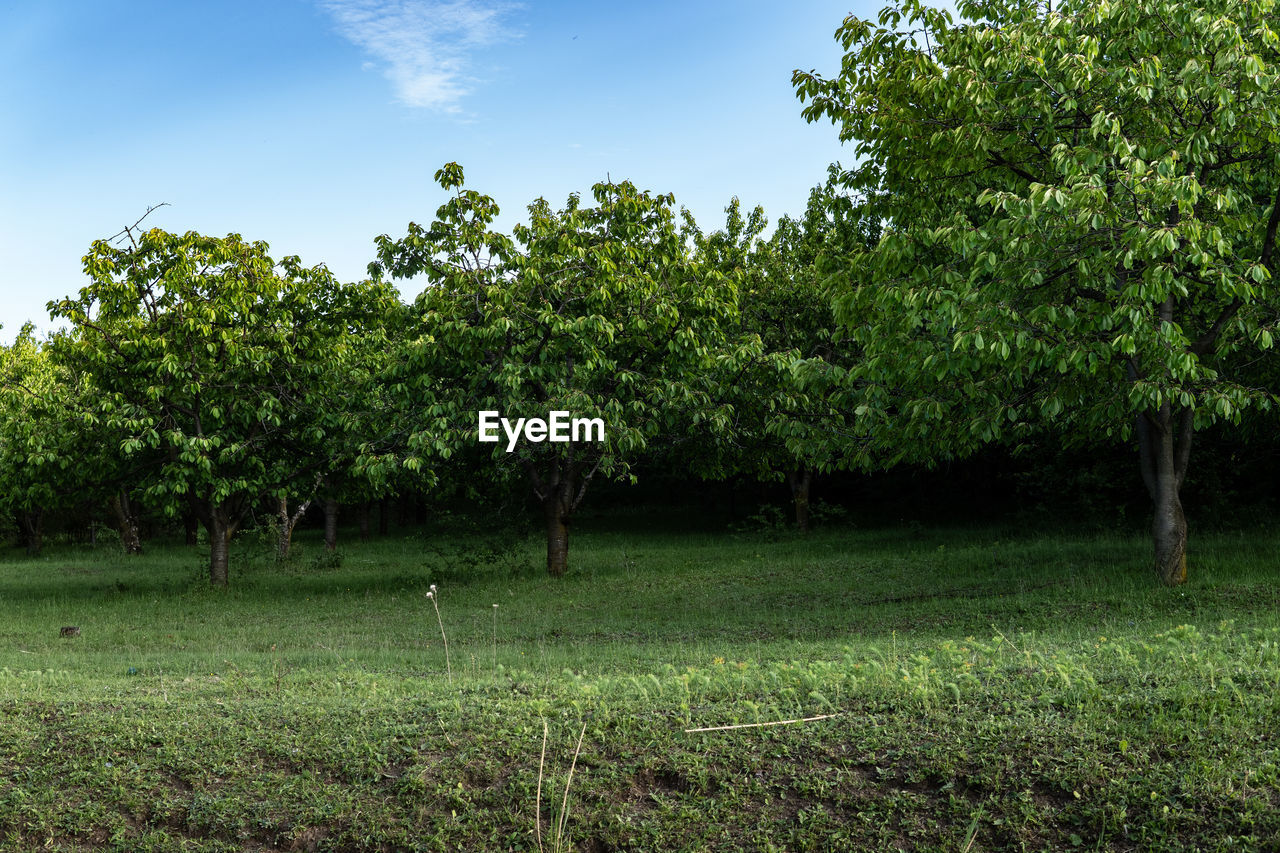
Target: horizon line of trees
[(1061, 229), (202, 379)]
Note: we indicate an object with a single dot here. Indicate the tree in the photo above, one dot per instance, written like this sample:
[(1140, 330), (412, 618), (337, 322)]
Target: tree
[(1081, 206), (789, 417), (349, 411), (43, 457), (209, 352), (596, 311), (54, 450)]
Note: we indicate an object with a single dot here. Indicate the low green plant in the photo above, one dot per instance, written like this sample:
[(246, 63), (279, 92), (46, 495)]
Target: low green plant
[(824, 513), (326, 560), (769, 522)]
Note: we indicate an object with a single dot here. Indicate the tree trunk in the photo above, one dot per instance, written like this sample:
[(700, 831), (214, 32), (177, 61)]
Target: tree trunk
[(330, 524), (1169, 534), (363, 515), (800, 480), (1164, 466), (288, 523), (560, 492), (32, 524), (556, 508), (220, 531), (284, 539), (127, 521)]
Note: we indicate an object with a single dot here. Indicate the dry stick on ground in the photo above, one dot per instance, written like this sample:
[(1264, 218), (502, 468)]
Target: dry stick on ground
[(762, 725)]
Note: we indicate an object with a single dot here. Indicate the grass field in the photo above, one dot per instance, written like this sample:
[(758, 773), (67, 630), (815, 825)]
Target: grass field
[(980, 690)]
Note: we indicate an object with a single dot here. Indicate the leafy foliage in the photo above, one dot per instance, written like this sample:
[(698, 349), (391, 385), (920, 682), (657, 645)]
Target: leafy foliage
[(206, 351), (1082, 215), (48, 458), (790, 417), (593, 310)]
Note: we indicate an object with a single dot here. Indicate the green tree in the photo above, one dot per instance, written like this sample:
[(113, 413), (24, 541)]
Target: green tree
[(209, 352), (349, 409), (54, 450), (1081, 206), (44, 460), (596, 311), (790, 418)]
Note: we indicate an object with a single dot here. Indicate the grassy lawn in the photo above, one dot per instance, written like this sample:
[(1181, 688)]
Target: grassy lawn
[(980, 689)]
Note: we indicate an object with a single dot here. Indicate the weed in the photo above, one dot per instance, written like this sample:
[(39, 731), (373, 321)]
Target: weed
[(431, 594), (325, 561), (769, 520), (559, 842)]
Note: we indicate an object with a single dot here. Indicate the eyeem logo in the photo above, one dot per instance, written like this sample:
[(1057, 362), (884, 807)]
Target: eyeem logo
[(558, 427)]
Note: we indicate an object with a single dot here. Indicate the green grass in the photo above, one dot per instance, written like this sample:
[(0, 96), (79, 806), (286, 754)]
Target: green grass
[(987, 690)]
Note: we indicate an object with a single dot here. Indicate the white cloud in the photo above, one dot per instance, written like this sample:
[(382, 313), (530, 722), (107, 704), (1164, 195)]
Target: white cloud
[(423, 46)]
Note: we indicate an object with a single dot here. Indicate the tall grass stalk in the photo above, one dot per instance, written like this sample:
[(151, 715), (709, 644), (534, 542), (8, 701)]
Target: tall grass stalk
[(564, 805), (558, 841), (537, 803), (431, 594)]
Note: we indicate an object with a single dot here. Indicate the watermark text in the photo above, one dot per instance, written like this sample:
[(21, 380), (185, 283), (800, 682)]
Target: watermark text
[(559, 426)]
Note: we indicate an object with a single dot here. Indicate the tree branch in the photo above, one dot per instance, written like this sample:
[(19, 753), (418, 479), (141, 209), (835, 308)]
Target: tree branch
[(1269, 238), (1206, 341), (539, 488), (997, 159), (582, 490)]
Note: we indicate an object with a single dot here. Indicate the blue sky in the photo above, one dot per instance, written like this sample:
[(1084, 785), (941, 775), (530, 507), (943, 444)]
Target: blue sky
[(316, 125)]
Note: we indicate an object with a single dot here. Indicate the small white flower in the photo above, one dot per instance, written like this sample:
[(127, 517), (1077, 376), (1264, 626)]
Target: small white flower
[(431, 595)]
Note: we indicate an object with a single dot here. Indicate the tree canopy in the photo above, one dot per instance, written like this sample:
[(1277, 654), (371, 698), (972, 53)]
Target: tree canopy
[(221, 359), (790, 417), (1081, 206), (593, 310), (47, 458)]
